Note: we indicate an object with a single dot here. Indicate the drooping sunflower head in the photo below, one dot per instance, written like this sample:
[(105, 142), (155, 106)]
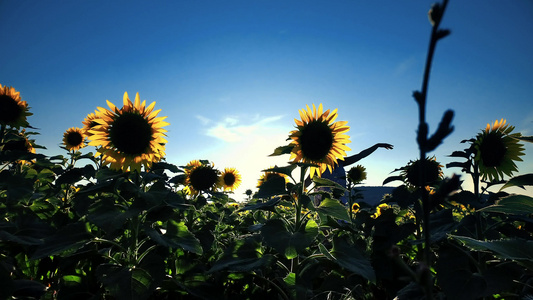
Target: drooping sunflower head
[(268, 175), (129, 137), (496, 150), (19, 142), (89, 123), (318, 139), (230, 179), (201, 176), (13, 111), (432, 170), (74, 139), (356, 174)]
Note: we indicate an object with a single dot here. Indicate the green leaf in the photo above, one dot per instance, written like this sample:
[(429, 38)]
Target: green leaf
[(519, 181), (282, 150), (288, 243), (21, 240), (333, 208), (513, 204), (287, 170), (176, 236), (70, 176), (352, 258), (125, 282), (517, 250), (70, 237), (268, 206)]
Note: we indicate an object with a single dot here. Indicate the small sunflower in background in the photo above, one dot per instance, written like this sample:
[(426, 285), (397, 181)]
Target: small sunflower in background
[(230, 179), (13, 111), (201, 176), (355, 208), (496, 150), (319, 140), (268, 175), (129, 137), (433, 172), (356, 174), (74, 139), (380, 209)]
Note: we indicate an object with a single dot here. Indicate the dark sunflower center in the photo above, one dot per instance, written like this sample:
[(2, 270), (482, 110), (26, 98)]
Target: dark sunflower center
[(316, 140), (74, 138), (432, 172), (229, 179), (203, 178), (492, 150), (16, 145), (131, 134), (10, 110)]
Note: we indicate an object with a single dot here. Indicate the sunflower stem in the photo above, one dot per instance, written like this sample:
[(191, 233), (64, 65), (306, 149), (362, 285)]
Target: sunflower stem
[(436, 16)]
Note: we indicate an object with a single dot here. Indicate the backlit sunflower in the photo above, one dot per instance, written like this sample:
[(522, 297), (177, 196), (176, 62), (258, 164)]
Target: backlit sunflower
[(74, 139), (129, 137), (13, 111), (267, 175), (319, 140), (433, 172), (496, 150), (19, 142), (201, 176), (230, 179), (356, 174), (89, 123)]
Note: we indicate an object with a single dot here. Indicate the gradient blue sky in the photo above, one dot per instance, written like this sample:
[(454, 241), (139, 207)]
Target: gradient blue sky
[(232, 75)]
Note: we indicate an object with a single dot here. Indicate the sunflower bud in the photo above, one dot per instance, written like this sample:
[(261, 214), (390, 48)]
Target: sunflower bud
[(435, 14)]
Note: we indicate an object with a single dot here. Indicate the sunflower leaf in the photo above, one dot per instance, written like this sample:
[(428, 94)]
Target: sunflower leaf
[(392, 178), (282, 150), (352, 258), (285, 242), (519, 181), (287, 170), (514, 204), (517, 250)]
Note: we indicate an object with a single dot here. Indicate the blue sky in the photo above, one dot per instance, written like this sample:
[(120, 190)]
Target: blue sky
[(232, 75)]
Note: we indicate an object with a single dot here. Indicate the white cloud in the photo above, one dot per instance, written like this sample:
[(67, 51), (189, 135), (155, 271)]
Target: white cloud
[(230, 130), (247, 147)]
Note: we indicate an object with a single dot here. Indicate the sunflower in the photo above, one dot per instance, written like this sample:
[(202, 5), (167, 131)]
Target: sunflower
[(380, 209), (129, 137), (230, 179), (13, 111), (319, 140), (19, 142), (433, 172), (201, 176), (74, 139), (496, 150), (268, 175), (355, 207), (89, 123), (356, 174)]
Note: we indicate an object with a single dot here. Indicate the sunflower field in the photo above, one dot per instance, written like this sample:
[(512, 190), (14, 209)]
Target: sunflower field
[(121, 222)]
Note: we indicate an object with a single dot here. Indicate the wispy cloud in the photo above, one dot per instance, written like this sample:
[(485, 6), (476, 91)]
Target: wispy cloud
[(232, 129)]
